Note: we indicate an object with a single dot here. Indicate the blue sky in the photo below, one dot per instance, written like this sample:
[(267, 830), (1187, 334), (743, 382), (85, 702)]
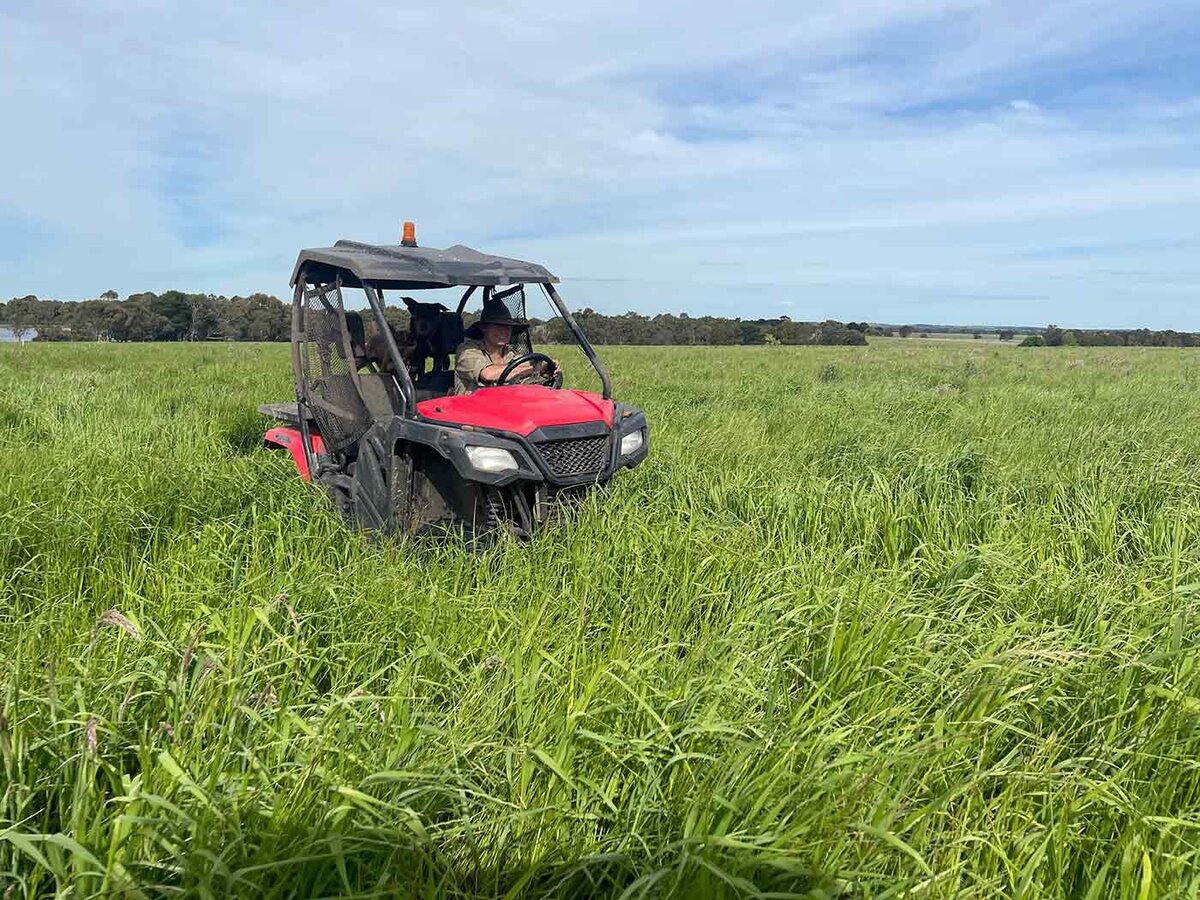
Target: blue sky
[(932, 160)]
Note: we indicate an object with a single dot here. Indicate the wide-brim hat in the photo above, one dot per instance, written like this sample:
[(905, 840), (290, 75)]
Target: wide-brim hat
[(495, 312)]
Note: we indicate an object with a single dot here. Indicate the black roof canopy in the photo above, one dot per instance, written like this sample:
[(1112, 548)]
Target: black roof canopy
[(413, 268)]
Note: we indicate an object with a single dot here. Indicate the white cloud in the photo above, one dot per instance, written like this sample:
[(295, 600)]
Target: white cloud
[(868, 155)]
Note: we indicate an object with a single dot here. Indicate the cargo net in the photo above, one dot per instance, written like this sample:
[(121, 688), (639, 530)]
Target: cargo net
[(329, 386), (514, 300)]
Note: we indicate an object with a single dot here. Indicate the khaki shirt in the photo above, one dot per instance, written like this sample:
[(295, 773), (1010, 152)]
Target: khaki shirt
[(469, 360)]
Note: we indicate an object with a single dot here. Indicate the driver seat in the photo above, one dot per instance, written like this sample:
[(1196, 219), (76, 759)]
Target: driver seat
[(435, 384)]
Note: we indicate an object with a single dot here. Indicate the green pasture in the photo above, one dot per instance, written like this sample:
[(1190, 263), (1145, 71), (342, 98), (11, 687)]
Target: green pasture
[(918, 619)]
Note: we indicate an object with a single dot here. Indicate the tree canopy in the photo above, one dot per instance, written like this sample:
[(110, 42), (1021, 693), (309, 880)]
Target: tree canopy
[(172, 316), (179, 316), (682, 329)]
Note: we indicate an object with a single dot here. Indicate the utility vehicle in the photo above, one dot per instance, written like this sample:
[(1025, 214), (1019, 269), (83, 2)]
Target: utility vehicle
[(381, 430)]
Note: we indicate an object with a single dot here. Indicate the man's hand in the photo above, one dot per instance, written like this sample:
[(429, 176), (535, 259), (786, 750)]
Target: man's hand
[(491, 374), (544, 369)]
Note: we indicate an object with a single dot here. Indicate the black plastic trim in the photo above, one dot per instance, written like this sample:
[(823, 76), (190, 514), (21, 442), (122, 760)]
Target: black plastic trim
[(632, 419), (451, 440)]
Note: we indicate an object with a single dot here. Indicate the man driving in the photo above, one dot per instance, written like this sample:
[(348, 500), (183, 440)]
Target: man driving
[(481, 359)]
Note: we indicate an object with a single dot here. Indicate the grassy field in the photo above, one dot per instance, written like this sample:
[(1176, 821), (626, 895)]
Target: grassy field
[(918, 619)]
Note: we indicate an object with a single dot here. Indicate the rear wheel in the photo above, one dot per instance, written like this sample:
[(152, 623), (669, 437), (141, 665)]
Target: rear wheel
[(339, 486)]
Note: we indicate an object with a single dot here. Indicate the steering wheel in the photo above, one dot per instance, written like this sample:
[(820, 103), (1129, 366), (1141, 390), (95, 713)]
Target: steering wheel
[(554, 381)]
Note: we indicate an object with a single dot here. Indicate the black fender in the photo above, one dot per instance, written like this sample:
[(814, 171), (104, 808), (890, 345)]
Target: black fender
[(628, 419), (381, 490), (451, 444)]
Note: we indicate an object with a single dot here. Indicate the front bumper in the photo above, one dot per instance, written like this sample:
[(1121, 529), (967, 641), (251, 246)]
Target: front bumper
[(561, 456)]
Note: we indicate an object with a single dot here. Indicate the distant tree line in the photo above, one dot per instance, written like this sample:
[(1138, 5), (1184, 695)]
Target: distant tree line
[(179, 316), (682, 329), (1054, 336), (172, 316)]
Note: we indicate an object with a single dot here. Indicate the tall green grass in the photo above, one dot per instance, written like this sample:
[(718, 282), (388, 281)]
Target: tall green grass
[(909, 620)]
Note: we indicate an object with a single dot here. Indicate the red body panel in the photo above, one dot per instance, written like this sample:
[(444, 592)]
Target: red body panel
[(290, 440), (519, 408)]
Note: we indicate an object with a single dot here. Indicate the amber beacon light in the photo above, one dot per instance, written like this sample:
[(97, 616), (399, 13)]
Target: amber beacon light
[(410, 235)]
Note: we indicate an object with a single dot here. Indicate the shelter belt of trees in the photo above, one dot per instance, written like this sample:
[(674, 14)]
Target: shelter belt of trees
[(178, 316), (172, 316)]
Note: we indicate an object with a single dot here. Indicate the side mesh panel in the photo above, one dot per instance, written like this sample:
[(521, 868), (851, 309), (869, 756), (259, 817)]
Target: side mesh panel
[(515, 302), (328, 381)]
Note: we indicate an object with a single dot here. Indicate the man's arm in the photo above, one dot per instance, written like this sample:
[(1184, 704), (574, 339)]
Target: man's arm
[(469, 363), (475, 367), (491, 374)]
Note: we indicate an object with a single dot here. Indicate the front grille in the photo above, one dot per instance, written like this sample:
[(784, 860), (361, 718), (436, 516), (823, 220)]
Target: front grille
[(575, 457)]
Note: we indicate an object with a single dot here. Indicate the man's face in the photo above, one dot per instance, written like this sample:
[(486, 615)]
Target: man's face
[(497, 334)]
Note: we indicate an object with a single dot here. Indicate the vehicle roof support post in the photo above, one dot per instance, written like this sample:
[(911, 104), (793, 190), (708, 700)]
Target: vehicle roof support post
[(400, 370), (298, 340), (462, 304), (581, 338)]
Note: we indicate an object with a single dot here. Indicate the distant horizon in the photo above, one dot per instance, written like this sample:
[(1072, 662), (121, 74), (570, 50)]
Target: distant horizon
[(916, 325)]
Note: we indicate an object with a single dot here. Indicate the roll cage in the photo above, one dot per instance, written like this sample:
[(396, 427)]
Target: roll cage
[(327, 355)]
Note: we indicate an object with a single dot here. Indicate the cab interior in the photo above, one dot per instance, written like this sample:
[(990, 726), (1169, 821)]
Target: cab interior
[(427, 347)]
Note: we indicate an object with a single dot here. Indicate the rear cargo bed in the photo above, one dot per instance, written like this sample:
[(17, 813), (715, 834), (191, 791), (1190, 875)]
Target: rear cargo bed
[(287, 413)]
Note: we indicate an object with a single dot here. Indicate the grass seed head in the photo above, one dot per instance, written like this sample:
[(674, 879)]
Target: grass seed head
[(282, 597), (125, 702), (189, 652), (116, 619), (265, 697)]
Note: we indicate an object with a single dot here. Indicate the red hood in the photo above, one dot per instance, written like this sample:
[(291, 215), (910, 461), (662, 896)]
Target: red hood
[(519, 408)]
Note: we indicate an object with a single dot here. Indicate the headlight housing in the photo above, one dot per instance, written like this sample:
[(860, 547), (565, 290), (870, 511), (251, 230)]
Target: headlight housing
[(632, 442), (495, 460)]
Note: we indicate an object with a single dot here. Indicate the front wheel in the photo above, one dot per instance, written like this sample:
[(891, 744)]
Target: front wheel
[(499, 512)]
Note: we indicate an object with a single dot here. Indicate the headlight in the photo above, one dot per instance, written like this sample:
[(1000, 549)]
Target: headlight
[(492, 459), (632, 442)]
